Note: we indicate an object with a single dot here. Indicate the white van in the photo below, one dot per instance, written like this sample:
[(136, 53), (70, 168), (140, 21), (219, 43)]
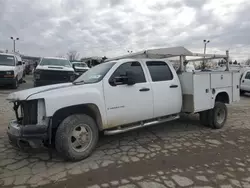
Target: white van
[(245, 82), (11, 70)]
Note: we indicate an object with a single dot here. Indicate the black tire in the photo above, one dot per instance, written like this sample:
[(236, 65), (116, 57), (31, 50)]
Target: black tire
[(218, 115), (64, 135), (21, 80), (204, 118), (15, 85)]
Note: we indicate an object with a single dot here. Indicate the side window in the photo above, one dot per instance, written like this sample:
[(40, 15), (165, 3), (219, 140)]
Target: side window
[(159, 71), (247, 76), (134, 67)]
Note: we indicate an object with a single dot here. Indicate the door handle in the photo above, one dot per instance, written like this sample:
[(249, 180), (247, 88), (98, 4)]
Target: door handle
[(173, 86), (144, 89)]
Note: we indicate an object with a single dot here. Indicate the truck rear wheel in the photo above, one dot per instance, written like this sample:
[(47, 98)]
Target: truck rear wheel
[(219, 115), (204, 118), (76, 137), (216, 117)]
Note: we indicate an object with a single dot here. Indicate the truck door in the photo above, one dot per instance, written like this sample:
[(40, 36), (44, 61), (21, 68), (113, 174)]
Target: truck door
[(245, 81), (166, 88), (128, 103)]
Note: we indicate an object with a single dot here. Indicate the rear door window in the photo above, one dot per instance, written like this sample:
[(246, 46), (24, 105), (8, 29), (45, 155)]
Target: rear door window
[(159, 71)]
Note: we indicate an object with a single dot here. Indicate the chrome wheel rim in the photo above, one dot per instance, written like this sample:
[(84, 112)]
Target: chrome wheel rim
[(221, 114), (81, 137)]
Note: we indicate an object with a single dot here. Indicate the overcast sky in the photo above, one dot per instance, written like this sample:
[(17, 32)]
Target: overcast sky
[(111, 27)]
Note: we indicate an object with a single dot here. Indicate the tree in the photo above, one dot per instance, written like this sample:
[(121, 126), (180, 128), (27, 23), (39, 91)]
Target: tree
[(73, 55), (247, 62), (235, 62)]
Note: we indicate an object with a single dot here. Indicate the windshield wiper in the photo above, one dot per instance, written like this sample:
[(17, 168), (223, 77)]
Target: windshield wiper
[(79, 82)]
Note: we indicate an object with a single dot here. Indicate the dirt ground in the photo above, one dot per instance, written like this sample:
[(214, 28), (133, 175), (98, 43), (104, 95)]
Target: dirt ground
[(175, 154)]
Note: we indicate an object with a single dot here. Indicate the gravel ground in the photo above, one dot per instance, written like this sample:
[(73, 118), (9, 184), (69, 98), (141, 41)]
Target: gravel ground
[(176, 154)]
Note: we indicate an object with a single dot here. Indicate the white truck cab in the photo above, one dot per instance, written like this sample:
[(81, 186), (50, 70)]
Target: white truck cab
[(245, 82), (119, 95), (11, 69)]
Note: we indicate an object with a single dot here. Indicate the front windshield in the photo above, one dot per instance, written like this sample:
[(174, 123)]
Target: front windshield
[(80, 64), (7, 60), (95, 74), (55, 62)]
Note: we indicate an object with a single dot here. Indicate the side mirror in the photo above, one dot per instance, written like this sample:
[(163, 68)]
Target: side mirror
[(19, 63), (127, 79), (130, 78), (74, 66)]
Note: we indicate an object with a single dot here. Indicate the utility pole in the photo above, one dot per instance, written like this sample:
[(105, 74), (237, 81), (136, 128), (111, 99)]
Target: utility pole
[(205, 47), (14, 43)]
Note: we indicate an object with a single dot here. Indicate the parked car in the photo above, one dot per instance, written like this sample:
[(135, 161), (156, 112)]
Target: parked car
[(245, 82), (28, 69), (118, 96), (24, 68), (52, 70), (80, 67), (11, 70)]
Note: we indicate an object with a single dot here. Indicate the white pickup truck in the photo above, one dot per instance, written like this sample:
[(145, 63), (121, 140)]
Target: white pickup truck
[(117, 96), (245, 82)]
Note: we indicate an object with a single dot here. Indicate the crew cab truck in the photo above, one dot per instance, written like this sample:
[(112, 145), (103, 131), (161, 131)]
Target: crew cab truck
[(11, 70), (119, 95)]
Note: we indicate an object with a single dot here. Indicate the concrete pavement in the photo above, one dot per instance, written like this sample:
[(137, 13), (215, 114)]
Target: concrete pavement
[(175, 154)]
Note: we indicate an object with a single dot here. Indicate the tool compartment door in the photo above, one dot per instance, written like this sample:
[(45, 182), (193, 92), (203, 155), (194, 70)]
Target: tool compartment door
[(202, 92), (221, 79)]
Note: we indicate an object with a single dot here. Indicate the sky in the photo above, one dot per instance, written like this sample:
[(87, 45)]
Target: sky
[(112, 27)]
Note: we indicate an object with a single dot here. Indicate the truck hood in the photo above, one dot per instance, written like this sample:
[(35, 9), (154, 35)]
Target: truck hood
[(6, 68), (25, 94), (82, 68), (55, 68)]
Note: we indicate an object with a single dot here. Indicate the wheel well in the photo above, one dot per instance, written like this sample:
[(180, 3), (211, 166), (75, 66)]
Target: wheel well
[(88, 109), (222, 97)]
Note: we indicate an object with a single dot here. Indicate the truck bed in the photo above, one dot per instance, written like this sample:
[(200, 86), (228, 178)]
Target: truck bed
[(199, 89)]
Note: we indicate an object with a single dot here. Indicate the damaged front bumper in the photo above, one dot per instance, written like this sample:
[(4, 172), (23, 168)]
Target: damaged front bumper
[(21, 136)]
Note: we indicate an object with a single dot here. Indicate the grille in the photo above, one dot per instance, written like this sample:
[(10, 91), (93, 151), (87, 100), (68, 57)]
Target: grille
[(29, 112), (55, 75), (2, 73)]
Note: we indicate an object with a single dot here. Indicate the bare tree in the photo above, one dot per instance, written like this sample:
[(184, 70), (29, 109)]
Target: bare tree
[(73, 55), (247, 62)]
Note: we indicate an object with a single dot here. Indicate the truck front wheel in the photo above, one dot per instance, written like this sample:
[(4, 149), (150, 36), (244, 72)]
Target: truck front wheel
[(76, 137), (15, 84)]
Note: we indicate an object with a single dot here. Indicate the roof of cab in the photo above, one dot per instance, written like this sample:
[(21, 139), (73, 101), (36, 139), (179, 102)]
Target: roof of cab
[(54, 58), (7, 54)]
